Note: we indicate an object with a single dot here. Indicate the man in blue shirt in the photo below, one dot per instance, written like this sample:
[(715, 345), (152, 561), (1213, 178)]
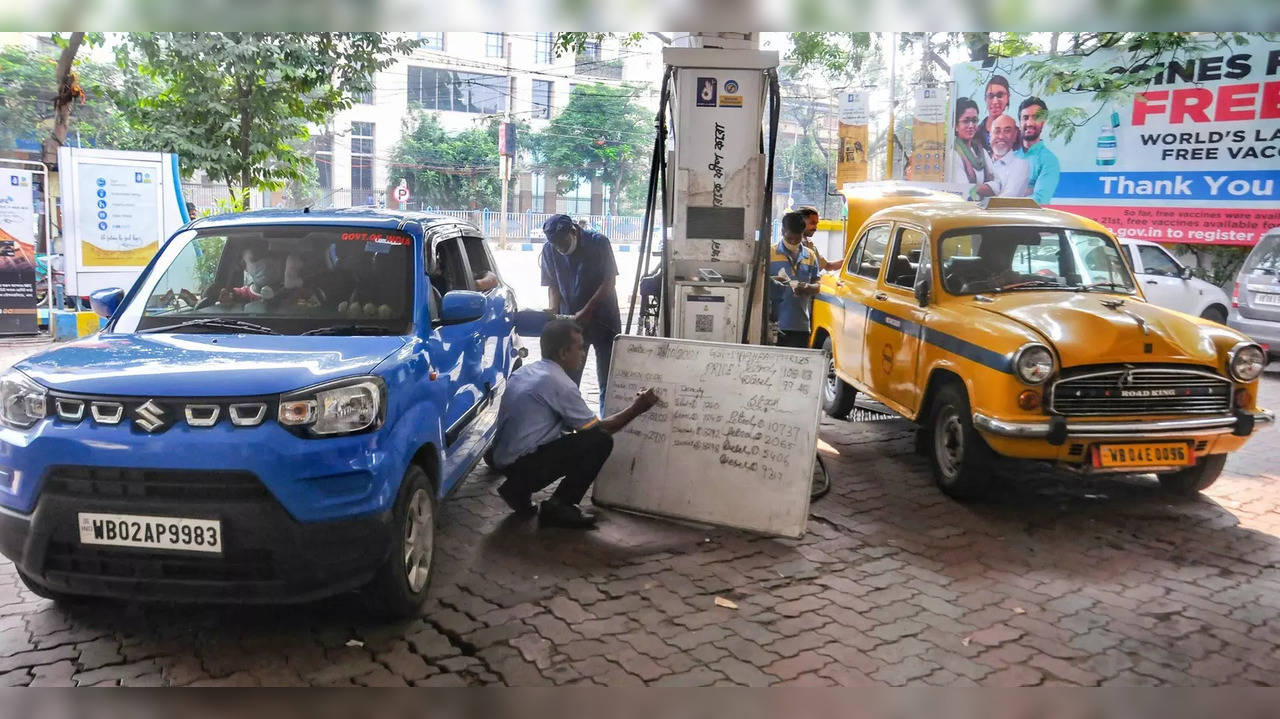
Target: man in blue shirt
[(545, 431), (793, 272), (1044, 164), (580, 275)]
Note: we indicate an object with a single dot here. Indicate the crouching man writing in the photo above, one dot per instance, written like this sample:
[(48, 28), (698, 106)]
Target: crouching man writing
[(545, 431)]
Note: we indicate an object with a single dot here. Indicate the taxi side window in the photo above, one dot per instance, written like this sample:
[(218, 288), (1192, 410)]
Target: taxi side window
[(477, 255), (867, 257), (905, 258)]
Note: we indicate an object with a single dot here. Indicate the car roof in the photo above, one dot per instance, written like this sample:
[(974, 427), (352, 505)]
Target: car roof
[(939, 217), (371, 217)]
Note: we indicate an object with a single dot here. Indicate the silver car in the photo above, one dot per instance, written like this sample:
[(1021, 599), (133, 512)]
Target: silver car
[(1255, 306)]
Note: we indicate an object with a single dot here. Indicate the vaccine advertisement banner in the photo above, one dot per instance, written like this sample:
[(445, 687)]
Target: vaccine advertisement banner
[(851, 164), (1192, 158), (17, 252), (929, 135), (119, 225)]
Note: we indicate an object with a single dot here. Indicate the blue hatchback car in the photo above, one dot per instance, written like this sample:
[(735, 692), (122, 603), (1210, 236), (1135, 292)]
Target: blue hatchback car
[(272, 413)]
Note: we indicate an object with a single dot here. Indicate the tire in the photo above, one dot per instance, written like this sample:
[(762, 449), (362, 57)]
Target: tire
[(961, 460), (1215, 314), (399, 587), (837, 395), (1193, 480)]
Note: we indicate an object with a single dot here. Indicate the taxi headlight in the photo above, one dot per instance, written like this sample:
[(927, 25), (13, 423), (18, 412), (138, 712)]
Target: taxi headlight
[(1245, 362), (343, 407), (1033, 363), (22, 401)]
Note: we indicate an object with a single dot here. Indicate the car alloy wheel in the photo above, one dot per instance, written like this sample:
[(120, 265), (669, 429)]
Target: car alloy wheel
[(948, 443), (830, 386), (419, 540)]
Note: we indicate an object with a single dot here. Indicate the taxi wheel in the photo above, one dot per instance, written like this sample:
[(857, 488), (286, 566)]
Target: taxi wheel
[(961, 459), (1195, 479), (400, 586), (837, 395)]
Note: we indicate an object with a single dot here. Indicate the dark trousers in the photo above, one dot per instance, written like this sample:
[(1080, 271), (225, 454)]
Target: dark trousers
[(577, 457), (604, 356), (792, 338)]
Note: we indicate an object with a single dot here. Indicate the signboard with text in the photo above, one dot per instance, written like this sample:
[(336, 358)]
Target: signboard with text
[(17, 252), (851, 163), (1193, 158)]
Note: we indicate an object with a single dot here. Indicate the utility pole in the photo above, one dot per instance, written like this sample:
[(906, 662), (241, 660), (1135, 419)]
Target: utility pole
[(893, 86), (504, 161)]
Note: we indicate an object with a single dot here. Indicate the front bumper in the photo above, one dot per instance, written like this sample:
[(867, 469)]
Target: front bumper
[(267, 555), (1058, 430)]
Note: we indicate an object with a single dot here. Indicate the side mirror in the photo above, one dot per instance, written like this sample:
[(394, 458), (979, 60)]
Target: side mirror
[(922, 288), (1186, 273), (461, 306), (106, 301)]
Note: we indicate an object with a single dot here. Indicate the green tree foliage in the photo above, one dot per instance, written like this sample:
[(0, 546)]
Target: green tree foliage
[(573, 43), (451, 169), (604, 131), (28, 82), (239, 104)]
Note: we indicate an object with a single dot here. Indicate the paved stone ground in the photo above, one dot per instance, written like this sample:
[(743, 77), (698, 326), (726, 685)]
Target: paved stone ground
[(1060, 581)]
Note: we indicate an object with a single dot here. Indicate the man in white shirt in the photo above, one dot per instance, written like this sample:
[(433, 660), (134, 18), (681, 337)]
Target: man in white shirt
[(1009, 175)]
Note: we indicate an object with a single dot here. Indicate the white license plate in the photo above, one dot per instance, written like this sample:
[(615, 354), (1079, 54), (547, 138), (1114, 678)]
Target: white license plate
[(131, 530), (1266, 299)]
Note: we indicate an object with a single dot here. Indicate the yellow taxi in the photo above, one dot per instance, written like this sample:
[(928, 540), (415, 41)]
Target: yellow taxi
[(1008, 330)]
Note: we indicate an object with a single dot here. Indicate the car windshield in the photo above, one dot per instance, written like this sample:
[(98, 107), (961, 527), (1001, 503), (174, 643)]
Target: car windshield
[(281, 280), (1264, 261), (1006, 259)]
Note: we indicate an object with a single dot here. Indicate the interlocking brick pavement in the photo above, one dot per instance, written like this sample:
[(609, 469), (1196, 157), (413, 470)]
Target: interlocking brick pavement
[(1058, 580)]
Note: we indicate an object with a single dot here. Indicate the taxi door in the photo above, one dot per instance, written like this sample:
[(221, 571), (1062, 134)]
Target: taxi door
[(855, 286), (895, 324)]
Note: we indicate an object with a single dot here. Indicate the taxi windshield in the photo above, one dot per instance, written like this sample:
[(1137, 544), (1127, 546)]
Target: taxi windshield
[(1006, 259), (283, 280)]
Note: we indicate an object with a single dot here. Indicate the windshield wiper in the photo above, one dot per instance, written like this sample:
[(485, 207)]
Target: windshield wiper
[(1105, 286), (352, 330), (216, 322), (1032, 284)]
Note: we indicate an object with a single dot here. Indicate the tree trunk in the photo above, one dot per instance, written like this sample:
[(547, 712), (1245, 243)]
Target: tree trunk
[(1053, 43), (245, 149), (68, 91)]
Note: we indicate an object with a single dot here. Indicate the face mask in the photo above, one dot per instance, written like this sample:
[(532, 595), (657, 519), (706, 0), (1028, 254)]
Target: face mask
[(573, 245)]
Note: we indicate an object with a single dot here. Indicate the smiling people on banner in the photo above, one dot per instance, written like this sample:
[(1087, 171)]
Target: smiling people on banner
[(970, 167), (1008, 175), (1044, 167), (581, 276)]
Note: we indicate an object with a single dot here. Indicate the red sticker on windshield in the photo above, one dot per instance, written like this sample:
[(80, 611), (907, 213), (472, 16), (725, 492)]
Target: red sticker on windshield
[(376, 237)]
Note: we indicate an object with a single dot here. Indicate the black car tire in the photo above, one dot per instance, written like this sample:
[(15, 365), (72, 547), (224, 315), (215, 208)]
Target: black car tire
[(400, 586), (837, 395), (44, 592), (1195, 479), (961, 460), (1215, 314)]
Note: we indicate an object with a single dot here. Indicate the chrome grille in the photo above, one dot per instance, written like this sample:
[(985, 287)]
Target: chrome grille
[(1141, 391)]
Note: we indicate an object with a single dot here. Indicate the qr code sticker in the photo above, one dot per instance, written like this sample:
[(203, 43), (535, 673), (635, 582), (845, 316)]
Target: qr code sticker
[(703, 323)]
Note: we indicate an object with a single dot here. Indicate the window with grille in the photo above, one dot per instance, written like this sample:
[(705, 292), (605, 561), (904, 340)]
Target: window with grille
[(432, 88), (361, 157), (544, 48), (542, 90), (432, 40), (495, 44), (324, 160)]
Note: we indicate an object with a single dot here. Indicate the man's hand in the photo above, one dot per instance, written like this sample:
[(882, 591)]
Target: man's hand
[(645, 400), (582, 315)]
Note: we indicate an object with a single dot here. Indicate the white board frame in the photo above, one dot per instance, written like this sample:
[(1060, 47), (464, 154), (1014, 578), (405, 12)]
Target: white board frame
[(604, 492)]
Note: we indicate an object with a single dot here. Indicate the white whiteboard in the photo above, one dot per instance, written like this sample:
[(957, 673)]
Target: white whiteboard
[(733, 442)]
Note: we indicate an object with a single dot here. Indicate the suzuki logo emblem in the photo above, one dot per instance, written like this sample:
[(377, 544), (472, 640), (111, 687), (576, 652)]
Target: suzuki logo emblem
[(149, 416)]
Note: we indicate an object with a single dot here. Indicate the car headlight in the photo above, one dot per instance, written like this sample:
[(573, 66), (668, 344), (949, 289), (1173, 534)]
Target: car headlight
[(1033, 364), (342, 407), (22, 401), (1246, 361)]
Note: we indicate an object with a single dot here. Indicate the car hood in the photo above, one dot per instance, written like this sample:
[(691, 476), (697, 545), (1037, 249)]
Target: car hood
[(203, 365), (1094, 328)]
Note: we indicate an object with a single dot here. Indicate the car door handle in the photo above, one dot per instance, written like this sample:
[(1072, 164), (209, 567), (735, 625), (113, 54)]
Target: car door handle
[(881, 296), (1153, 282)]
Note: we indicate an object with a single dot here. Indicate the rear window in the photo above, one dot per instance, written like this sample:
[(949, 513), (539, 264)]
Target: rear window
[(1264, 260)]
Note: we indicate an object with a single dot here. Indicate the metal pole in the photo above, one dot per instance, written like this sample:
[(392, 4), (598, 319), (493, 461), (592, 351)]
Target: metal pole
[(893, 86)]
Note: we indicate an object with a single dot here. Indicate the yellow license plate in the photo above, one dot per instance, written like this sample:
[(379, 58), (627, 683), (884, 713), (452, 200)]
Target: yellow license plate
[(1143, 455)]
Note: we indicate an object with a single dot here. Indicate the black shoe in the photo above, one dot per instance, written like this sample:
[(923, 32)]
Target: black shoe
[(556, 514), (518, 504)]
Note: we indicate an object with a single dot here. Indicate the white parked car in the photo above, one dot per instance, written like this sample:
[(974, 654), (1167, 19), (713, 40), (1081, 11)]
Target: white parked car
[(1168, 283)]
